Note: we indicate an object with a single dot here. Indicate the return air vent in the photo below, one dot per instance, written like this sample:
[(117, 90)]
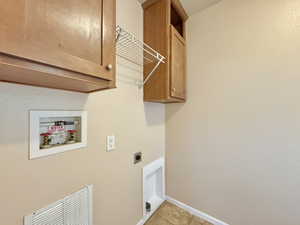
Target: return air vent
[(75, 209)]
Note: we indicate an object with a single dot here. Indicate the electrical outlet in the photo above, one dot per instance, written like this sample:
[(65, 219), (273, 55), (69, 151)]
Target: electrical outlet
[(110, 143), (137, 157)]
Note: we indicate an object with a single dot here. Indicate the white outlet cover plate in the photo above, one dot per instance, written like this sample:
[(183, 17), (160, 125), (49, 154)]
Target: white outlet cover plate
[(110, 143)]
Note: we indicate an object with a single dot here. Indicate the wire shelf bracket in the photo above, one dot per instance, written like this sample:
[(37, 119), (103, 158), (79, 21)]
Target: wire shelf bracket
[(137, 52)]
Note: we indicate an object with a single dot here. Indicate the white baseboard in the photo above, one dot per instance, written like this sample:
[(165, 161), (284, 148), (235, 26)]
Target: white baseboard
[(142, 222), (195, 212), (147, 216), (145, 219)]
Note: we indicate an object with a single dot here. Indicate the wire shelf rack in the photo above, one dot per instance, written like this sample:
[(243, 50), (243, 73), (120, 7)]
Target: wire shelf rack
[(132, 49)]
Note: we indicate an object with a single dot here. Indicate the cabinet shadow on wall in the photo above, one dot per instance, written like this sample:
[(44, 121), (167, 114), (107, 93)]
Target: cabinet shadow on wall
[(154, 113), (173, 109)]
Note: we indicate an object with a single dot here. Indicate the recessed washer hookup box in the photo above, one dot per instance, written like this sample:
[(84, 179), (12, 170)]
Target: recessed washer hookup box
[(53, 132)]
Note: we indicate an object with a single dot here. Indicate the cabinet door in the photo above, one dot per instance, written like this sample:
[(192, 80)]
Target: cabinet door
[(75, 35), (178, 65)]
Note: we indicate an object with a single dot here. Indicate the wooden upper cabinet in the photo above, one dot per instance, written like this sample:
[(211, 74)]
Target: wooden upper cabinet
[(164, 30), (72, 39), (177, 65)]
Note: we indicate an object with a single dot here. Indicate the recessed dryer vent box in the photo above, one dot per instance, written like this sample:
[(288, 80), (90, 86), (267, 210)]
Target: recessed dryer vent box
[(52, 132), (153, 187)]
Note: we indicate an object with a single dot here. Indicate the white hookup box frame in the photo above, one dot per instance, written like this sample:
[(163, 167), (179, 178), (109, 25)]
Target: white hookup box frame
[(39, 120)]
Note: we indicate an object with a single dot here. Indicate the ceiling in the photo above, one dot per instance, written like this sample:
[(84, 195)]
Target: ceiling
[(193, 6)]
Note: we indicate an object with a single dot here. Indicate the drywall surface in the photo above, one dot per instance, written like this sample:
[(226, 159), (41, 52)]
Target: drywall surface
[(27, 185), (233, 148), (194, 6)]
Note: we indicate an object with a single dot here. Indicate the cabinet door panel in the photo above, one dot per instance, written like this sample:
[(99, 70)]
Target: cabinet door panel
[(178, 65), (68, 34)]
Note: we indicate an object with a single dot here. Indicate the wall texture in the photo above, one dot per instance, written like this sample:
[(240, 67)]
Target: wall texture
[(29, 185), (233, 148)]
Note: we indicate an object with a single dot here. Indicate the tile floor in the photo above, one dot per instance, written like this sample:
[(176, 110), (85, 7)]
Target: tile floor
[(169, 214)]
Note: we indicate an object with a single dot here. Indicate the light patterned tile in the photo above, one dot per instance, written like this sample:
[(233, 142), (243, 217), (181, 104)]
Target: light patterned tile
[(199, 221), (157, 220), (174, 214), (169, 214)]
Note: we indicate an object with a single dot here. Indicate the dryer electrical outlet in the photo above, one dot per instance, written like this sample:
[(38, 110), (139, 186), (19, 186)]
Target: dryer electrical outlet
[(52, 132)]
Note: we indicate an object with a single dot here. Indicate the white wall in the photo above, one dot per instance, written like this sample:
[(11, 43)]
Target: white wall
[(27, 185), (233, 148)]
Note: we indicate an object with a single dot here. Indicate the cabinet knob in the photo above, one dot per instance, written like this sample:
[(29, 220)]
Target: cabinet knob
[(109, 67), (174, 89)]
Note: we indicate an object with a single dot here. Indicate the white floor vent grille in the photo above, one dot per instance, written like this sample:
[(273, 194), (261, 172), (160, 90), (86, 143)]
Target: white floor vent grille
[(75, 209)]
